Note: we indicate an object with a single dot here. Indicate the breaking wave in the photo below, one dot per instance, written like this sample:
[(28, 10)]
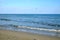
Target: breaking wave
[(43, 29)]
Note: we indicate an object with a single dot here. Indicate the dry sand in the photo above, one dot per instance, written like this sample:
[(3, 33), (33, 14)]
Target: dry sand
[(13, 35)]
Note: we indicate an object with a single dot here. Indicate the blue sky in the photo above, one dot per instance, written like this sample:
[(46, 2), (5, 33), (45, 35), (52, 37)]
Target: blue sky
[(30, 6)]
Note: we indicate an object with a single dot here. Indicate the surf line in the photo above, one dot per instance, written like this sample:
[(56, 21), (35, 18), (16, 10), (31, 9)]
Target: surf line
[(43, 29)]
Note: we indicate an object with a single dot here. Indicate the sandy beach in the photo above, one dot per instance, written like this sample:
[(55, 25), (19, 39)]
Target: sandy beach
[(13, 35)]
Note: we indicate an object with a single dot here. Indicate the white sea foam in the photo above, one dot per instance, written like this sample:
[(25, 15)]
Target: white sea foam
[(43, 29)]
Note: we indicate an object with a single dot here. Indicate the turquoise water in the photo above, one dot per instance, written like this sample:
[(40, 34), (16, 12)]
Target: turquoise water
[(46, 24)]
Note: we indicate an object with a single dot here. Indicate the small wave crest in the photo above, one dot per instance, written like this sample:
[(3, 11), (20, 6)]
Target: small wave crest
[(43, 29), (4, 19)]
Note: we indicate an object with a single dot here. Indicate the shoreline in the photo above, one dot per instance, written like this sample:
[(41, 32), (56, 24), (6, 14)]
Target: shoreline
[(54, 33), (15, 35)]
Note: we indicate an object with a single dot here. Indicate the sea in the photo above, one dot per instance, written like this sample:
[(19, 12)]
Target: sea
[(45, 24)]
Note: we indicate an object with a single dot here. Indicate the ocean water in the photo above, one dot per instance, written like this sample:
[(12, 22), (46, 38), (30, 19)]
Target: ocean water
[(46, 24)]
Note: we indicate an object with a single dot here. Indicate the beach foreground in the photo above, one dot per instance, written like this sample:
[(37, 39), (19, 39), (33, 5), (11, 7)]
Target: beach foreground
[(13, 35)]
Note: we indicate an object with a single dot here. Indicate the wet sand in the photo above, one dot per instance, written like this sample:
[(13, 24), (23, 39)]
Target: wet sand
[(13, 35)]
